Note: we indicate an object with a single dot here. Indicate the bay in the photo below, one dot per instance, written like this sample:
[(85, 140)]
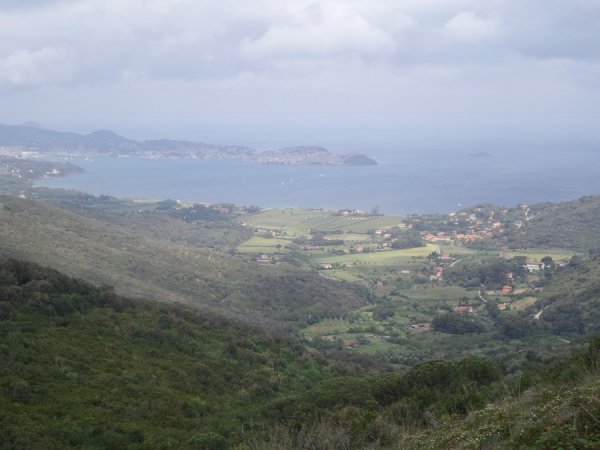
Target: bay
[(418, 183)]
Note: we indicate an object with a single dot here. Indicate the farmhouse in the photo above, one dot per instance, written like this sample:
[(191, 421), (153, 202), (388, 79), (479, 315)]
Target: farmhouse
[(506, 290), (533, 268), (264, 259)]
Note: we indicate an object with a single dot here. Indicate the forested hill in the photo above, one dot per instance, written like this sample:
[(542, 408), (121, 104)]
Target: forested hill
[(281, 296), (570, 303), (81, 367), (572, 225)]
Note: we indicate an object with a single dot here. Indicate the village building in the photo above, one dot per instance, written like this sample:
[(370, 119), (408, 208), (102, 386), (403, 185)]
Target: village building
[(264, 259), (533, 268)]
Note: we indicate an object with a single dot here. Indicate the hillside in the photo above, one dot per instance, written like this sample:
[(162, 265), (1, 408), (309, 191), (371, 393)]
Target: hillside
[(31, 169), (140, 266), (83, 368), (214, 227), (552, 414), (570, 303), (573, 225)]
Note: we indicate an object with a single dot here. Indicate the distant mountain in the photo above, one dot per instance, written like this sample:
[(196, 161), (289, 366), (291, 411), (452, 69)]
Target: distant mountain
[(31, 136), (34, 138), (32, 124), (109, 143)]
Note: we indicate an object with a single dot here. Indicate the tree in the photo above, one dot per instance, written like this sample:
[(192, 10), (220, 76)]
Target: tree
[(548, 262)]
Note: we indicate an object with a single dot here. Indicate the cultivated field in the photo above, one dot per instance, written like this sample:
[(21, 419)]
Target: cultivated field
[(300, 222), (382, 258)]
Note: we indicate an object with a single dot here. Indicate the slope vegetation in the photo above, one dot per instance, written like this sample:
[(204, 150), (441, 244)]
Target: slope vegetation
[(571, 301), (573, 225), (83, 367), (142, 267)]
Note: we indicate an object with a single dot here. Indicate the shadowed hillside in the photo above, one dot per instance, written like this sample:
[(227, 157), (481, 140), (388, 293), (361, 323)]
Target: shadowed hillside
[(81, 367), (142, 267)]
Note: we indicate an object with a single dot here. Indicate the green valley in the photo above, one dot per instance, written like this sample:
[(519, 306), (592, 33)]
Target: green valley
[(287, 329)]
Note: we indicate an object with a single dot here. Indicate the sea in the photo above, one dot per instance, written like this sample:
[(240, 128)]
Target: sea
[(421, 182)]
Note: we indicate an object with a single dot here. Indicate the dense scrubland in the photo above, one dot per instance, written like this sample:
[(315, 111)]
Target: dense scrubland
[(84, 367)]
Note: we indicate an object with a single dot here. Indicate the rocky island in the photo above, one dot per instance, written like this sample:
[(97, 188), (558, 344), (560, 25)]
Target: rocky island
[(311, 155), (31, 137)]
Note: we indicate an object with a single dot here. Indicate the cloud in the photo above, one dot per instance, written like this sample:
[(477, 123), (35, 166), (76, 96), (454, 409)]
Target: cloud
[(30, 68), (137, 58), (466, 26), (320, 31), (191, 40)]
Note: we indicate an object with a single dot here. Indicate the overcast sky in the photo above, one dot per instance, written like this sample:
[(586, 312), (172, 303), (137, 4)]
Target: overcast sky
[(278, 72)]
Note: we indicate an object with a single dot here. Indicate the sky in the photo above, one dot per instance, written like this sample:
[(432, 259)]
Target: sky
[(384, 75)]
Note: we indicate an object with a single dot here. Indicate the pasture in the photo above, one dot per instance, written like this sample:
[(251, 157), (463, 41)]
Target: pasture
[(380, 258), (301, 222), (537, 254), (259, 244)]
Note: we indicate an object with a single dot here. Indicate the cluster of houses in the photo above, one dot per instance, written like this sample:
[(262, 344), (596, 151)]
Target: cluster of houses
[(347, 212), (223, 208), (469, 228), (457, 237), (19, 152)]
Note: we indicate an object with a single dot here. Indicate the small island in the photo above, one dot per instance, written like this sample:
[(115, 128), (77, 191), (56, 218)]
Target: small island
[(311, 155)]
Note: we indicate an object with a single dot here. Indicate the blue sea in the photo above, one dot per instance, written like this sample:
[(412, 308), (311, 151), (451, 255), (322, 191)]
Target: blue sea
[(417, 183)]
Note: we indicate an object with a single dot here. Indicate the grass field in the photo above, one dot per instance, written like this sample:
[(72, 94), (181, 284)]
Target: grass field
[(373, 223), (341, 274), (355, 237), (520, 305), (457, 251), (298, 221), (539, 253), (440, 293), (258, 244), (327, 327), (379, 258)]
